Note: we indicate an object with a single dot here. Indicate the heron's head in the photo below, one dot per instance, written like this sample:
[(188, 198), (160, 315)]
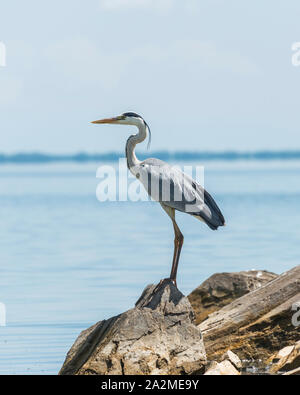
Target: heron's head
[(128, 118)]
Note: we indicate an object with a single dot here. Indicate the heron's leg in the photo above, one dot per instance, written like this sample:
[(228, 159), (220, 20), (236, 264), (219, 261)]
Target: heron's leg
[(178, 242)]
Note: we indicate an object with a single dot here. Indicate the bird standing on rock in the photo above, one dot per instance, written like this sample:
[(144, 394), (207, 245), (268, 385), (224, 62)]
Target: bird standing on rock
[(172, 188)]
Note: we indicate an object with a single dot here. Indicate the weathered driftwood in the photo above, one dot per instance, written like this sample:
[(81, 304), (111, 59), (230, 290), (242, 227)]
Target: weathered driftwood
[(257, 324)]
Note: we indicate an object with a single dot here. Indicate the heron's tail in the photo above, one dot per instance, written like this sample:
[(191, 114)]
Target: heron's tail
[(216, 219)]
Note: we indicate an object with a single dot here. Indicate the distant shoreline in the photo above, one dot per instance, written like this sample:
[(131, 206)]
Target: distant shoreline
[(38, 158)]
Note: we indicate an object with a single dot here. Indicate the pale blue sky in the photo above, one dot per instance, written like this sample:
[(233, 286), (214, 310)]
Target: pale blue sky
[(205, 74)]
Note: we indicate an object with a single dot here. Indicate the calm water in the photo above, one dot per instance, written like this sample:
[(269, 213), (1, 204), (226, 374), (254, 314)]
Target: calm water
[(68, 261)]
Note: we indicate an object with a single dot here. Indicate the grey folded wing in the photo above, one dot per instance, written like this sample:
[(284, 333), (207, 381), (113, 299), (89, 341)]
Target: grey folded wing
[(170, 186)]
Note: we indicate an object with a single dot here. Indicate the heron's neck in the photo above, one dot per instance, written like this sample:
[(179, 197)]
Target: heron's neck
[(132, 160)]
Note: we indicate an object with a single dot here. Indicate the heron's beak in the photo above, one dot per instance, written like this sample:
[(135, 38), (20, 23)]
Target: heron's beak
[(108, 120)]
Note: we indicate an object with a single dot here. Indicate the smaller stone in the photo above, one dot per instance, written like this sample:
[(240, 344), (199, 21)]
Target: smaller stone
[(222, 288), (285, 352), (224, 368), (287, 359), (233, 358)]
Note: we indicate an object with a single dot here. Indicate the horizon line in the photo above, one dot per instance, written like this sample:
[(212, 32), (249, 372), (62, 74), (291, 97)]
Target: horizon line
[(227, 155)]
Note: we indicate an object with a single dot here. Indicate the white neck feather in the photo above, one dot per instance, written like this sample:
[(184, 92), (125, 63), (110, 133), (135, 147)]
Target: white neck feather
[(132, 160)]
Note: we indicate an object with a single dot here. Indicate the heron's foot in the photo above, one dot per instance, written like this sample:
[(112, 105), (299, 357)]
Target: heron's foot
[(165, 281)]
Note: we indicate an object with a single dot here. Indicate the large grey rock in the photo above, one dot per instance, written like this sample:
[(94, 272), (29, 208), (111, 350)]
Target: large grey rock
[(223, 288), (257, 324), (158, 336)]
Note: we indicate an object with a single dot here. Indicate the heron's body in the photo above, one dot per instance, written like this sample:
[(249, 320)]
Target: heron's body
[(168, 185), (205, 208)]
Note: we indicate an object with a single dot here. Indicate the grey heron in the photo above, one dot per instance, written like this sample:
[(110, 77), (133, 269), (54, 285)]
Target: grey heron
[(173, 189)]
